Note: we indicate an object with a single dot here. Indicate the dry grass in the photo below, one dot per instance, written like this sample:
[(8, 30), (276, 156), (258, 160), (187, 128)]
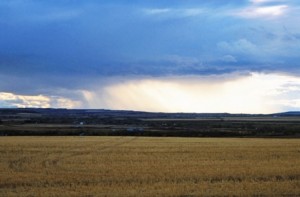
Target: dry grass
[(130, 166)]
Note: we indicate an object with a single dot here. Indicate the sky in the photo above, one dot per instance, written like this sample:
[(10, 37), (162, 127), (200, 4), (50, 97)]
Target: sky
[(236, 56)]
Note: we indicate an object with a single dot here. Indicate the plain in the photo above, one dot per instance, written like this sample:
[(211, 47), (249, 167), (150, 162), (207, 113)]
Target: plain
[(145, 166)]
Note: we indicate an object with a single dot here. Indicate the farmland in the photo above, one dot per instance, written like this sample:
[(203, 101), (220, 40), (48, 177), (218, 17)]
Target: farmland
[(148, 166), (65, 122)]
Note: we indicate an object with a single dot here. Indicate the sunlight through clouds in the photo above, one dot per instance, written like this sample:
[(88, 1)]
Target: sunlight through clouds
[(264, 11), (265, 1), (254, 93)]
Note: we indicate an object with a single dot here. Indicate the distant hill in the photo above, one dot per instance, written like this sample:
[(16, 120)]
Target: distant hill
[(289, 113)]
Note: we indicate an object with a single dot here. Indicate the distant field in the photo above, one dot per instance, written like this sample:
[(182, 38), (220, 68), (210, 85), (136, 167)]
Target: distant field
[(143, 166), (63, 122), (246, 119)]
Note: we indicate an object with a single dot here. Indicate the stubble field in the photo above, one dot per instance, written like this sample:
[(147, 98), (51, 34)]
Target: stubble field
[(144, 166)]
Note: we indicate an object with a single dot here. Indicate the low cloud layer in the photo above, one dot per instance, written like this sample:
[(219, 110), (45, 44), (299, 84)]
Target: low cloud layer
[(11, 100)]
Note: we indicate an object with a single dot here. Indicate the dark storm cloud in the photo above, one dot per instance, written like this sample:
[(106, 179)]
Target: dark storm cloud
[(52, 45)]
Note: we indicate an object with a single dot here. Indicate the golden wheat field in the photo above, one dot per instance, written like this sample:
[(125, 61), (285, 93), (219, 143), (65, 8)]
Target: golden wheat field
[(141, 166)]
